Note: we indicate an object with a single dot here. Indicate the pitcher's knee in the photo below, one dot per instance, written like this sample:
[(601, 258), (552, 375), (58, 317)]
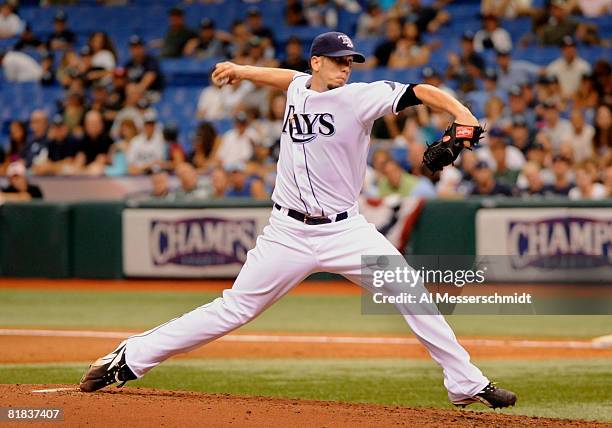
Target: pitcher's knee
[(239, 313)]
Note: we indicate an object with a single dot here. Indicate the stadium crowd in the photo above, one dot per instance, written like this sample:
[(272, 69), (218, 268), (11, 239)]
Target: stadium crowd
[(549, 128)]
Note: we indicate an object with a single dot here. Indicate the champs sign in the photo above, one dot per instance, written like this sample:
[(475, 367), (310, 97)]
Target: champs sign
[(561, 243), (201, 241), (189, 243), (546, 244)]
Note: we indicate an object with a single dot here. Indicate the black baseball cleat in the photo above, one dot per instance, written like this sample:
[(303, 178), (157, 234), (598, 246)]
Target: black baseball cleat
[(107, 370), (491, 396)]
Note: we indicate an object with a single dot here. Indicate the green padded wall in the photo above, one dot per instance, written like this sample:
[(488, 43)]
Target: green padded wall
[(35, 240), (96, 239)]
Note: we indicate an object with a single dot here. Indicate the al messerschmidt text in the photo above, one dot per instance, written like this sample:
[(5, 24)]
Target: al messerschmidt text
[(495, 298)]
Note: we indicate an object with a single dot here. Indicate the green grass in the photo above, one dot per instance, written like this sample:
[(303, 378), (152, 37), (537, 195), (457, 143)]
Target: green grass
[(572, 389), (299, 313)]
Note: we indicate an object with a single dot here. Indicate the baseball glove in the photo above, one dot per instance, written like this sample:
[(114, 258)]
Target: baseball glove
[(446, 150)]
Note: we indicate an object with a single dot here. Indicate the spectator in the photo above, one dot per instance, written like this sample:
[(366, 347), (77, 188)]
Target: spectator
[(192, 187), (103, 52), (466, 67), (256, 26), (19, 67), (492, 36), (160, 183), (69, 68), (19, 189), (88, 73), (603, 131), (581, 136), (28, 40), (555, 127), (424, 187), (62, 147), (116, 99), (518, 106), (294, 56), (407, 54), (294, 14), (427, 18), (117, 165), (594, 8), (506, 159), (240, 185), (520, 135), (100, 101), (217, 103), (485, 182), (270, 128), (494, 109), (586, 187), (477, 99), (37, 148), (562, 182), (396, 181), (384, 49), (608, 179), (10, 24), (559, 25), (513, 72), (371, 23), (506, 9), (586, 96), (61, 38), (204, 146), (175, 154), (2, 159), (237, 144), (219, 182), (147, 149), (255, 54), (178, 34), (74, 111), (321, 13), (18, 135), (143, 69), (48, 69), (206, 44), (568, 69), (238, 39), (94, 146), (133, 96), (535, 183)]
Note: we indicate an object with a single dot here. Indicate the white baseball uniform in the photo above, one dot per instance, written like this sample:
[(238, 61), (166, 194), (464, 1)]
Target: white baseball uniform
[(324, 146)]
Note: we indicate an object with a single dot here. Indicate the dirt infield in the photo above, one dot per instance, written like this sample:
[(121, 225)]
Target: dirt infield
[(35, 349), (140, 407)]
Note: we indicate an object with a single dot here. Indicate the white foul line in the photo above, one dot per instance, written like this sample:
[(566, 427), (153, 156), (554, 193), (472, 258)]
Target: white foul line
[(355, 340)]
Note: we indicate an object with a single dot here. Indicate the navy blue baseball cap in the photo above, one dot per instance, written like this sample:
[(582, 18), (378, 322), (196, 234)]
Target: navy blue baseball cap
[(335, 44)]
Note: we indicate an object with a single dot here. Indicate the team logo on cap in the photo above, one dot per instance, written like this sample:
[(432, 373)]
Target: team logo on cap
[(346, 40)]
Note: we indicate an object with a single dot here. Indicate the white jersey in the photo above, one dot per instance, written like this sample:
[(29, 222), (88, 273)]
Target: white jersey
[(324, 143)]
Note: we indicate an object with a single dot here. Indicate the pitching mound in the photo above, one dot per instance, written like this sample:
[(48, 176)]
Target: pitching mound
[(140, 407)]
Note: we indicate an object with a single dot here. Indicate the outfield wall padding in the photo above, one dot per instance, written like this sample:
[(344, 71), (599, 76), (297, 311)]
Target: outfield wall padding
[(35, 240)]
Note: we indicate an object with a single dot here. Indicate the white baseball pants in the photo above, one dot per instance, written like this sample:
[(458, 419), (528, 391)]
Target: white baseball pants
[(286, 253)]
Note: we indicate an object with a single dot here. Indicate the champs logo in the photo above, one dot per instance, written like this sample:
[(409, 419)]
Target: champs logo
[(464, 132), (561, 243), (201, 241), (305, 127)]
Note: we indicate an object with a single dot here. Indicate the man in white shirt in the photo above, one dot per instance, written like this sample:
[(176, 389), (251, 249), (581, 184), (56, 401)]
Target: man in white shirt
[(237, 143), (19, 67), (10, 24), (569, 68), (492, 36), (581, 136), (147, 149), (315, 224), (555, 127)]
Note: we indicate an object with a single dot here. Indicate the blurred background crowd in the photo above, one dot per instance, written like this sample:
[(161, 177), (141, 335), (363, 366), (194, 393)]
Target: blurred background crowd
[(120, 88)]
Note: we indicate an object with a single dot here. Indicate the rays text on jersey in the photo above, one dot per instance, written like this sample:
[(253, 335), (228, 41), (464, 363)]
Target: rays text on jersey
[(305, 127)]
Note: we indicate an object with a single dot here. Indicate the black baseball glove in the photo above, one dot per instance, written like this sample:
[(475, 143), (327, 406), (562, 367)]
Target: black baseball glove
[(446, 150)]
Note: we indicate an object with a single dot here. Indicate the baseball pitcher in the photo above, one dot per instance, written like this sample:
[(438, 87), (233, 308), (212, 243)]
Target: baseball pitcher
[(315, 224)]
